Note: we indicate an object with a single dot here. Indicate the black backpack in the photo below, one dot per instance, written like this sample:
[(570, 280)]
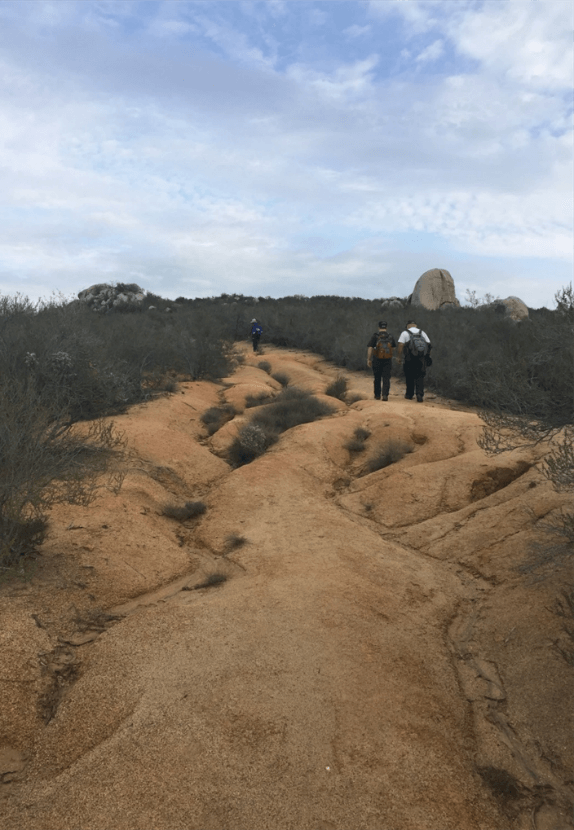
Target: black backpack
[(417, 346)]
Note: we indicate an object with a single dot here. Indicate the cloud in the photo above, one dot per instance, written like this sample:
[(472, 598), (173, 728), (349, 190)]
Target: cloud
[(418, 17), (432, 52), (170, 144), (356, 31), (529, 43)]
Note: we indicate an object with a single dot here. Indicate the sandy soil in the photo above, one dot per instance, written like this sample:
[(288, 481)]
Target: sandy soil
[(373, 660)]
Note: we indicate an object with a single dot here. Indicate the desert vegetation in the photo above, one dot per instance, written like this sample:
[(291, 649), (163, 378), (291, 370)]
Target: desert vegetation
[(62, 364), (356, 444), (214, 417), (387, 453), (291, 407), (338, 388), (184, 512), (281, 377)]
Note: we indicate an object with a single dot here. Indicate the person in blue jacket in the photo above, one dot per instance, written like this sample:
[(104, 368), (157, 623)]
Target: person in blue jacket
[(256, 332)]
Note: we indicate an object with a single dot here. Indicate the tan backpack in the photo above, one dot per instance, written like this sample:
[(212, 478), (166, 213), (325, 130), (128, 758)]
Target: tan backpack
[(383, 349)]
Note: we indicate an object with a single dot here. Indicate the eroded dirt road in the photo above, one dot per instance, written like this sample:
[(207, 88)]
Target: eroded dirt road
[(372, 662)]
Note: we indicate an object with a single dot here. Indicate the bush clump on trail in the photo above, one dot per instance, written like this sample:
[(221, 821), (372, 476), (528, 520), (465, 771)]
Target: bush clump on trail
[(389, 453), (338, 388), (182, 513), (214, 417), (357, 442), (289, 408)]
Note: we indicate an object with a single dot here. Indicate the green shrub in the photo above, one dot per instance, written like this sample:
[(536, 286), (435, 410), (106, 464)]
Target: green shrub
[(265, 366)]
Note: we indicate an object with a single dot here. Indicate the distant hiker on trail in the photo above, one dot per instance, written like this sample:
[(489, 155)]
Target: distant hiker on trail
[(380, 358), (416, 346), (256, 332)]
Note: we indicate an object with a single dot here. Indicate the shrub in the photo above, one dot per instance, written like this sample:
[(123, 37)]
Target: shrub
[(251, 442), (338, 388), (234, 541), (45, 461), (190, 510), (265, 366), (257, 400), (357, 442), (214, 417), (389, 453), (281, 377), (208, 582), (289, 408), (211, 580)]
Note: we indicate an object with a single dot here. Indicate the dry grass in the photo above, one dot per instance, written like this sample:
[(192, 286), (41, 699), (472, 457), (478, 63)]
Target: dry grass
[(388, 453), (338, 388)]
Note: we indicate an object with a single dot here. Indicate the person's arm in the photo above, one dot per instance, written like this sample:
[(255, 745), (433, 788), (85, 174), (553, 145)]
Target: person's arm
[(369, 356)]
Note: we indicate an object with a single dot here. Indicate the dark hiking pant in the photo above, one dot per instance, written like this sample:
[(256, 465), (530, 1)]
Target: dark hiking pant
[(255, 338), (415, 371), (382, 372)]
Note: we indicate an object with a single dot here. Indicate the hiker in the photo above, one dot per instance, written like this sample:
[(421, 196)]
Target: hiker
[(416, 346), (256, 332), (379, 357)]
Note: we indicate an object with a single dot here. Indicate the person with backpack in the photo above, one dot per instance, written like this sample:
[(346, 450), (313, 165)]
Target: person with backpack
[(416, 346), (380, 358), (256, 332)]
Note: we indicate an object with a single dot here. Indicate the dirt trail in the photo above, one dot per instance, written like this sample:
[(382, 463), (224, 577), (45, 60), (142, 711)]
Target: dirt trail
[(372, 660)]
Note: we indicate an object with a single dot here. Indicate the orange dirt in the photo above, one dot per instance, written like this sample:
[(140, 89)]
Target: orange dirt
[(373, 660)]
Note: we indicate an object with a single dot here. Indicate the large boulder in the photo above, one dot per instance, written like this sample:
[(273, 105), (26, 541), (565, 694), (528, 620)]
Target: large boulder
[(102, 297), (434, 290), (512, 307)]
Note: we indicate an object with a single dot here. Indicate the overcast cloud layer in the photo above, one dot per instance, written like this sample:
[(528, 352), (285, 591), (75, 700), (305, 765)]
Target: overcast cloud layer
[(276, 148)]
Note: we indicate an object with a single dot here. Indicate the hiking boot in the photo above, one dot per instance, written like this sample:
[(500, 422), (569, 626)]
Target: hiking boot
[(377, 399), (419, 399), (385, 397), (409, 397)]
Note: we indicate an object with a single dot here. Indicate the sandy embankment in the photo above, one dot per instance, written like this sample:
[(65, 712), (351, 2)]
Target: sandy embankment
[(372, 661)]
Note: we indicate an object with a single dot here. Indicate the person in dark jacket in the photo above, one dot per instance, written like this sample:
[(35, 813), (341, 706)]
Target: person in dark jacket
[(379, 358), (414, 367), (256, 332)]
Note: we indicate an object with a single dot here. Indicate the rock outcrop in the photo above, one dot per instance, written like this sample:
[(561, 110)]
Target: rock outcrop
[(512, 307), (434, 290), (393, 302), (103, 297)]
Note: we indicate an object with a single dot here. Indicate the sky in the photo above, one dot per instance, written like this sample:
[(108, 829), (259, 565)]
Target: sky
[(286, 147)]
